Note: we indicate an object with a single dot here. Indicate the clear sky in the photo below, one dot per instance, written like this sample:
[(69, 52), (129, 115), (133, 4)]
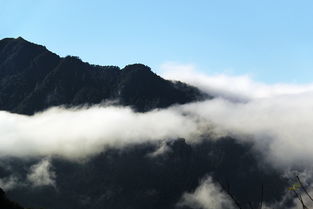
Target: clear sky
[(272, 40)]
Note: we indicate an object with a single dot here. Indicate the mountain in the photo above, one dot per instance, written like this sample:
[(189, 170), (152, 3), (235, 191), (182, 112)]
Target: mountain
[(33, 79)]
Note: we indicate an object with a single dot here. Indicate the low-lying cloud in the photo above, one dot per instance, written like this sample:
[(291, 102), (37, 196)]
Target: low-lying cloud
[(281, 127), (276, 118), (75, 133)]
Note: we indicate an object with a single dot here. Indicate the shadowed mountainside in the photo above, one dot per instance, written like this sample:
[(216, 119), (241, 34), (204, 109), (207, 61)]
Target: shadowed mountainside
[(133, 178), (5, 203)]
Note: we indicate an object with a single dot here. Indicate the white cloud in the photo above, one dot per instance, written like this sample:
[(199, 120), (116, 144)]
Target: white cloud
[(207, 196), (278, 117), (75, 133), (241, 87), (278, 121), (41, 174), (283, 125)]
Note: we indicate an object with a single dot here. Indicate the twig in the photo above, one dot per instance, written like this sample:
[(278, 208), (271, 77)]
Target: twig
[(230, 194), (250, 205), (261, 199), (304, 188), (300, 199)]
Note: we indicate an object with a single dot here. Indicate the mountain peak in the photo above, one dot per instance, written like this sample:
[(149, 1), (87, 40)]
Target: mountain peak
[(18, 40), (137, 66)]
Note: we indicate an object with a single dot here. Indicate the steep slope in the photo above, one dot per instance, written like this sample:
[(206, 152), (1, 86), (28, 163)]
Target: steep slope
[(33, 79), (5, 203)]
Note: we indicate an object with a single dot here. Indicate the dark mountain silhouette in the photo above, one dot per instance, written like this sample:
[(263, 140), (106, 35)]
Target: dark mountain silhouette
[(33, 79)]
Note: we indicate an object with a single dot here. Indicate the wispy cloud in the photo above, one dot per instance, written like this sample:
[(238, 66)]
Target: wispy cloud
[(9, 183), (38, 174), (207, 195), (241, 87), (41, 174)]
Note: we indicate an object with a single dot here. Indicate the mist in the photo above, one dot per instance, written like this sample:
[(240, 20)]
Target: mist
[(41, 174), (207, 195)]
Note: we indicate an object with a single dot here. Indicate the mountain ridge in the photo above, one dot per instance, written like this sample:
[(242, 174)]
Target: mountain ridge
[(33, 79)]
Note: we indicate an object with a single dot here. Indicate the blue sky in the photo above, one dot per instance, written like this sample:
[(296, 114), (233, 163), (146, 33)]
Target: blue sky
[(271, 40)]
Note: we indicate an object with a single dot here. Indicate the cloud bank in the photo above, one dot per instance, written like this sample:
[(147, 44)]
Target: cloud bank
[(75, 133), (276, 118)]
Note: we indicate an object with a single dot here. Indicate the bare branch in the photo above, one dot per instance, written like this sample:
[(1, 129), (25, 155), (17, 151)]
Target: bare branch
[(304, 189), (261, 199), (228, 192), (300, 199)]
